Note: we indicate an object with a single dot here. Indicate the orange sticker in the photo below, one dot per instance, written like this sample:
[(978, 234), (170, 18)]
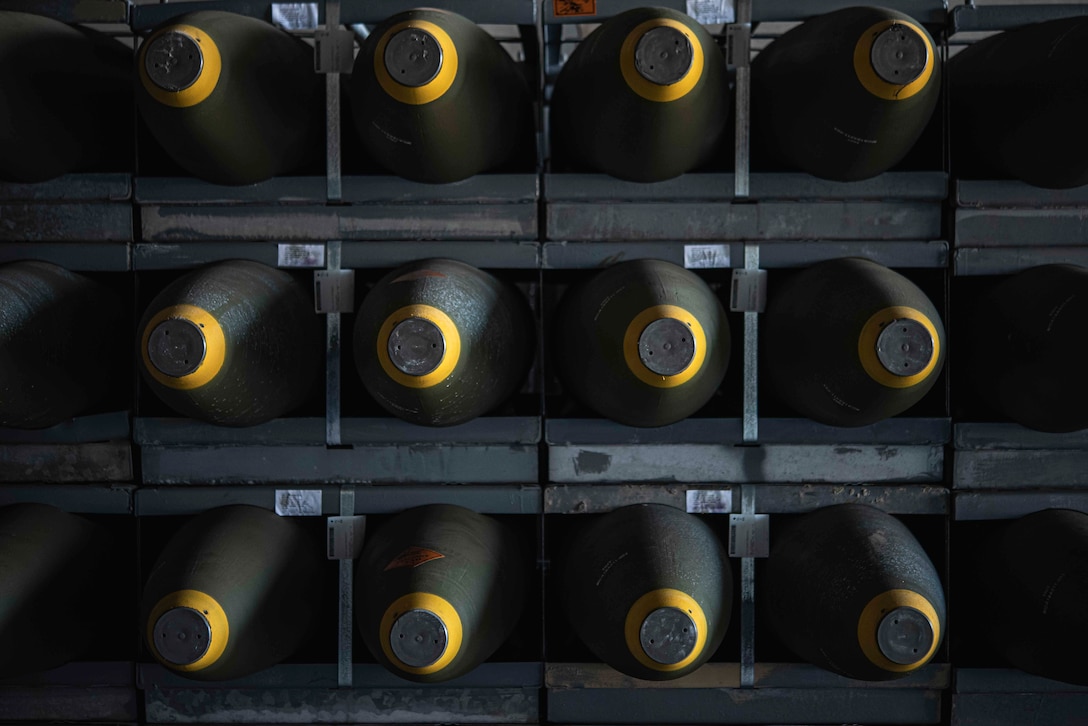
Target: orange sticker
[(413, 557), (567, 8)]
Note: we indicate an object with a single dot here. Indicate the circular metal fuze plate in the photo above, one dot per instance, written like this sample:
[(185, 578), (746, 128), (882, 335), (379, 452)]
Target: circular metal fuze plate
[(416, 346), (418, 638), (182, 636), (904, 636), (173, 61), (666, 346), (899, 55), (176, 347), (904, 347), (663, 56), (413, 57), (668, 635)]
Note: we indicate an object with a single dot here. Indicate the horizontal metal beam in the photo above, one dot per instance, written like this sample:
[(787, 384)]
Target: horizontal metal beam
[(65, 222), (926, 11), (1003, 193), (75, 498), (69, 11), (897, 430), (969, 18), (983, 436), (1021, 227), (365, 676), (71, 187), (1020, 469), (727, 675), (81, 429), (75, 256), (1010, 260), (981, 506), (63, 463)]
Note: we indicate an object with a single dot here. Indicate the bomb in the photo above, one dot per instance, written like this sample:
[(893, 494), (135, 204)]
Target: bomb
[(436, 99), (1016, 103), (1033, 576), (59, 343), (230, 98), (67, 98), (439, 342), (645, 342), (849, 342), (649, 589), (644, 98), (1026, 345), (851, 590), (50, 564), (229, 595), (438, 589), (235, 343), (845, 95)]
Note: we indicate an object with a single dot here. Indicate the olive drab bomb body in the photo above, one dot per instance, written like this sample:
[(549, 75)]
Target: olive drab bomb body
[(649, 589), (235, 343), (50, 562), (850, 589), (439, 342), (644, 98), (436, 99), (67, 97), (1033, 576), (438, 589), (849, 342), (57, 332), (1018, 101), (229, 595), (645, 342), (230, 98), (845, 95), (1026, 347)]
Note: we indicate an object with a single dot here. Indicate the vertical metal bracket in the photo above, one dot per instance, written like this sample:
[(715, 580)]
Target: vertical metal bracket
[(750, 420), (347, 594), (332, 356), (740, 34), (747, 599), (334, 191)]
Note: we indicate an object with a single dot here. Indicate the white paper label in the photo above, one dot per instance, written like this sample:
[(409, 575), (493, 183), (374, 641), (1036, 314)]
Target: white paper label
[(711, 12), (301, 255), (345, 537), (295, 16), (749, 293), (749, 535), (334, 291), (710, 501), (298, 502), (706, 257)]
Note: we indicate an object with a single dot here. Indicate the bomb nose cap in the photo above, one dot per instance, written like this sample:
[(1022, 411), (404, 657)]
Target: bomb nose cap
[(905, 636), (174, 60), (905, 347), (176, 347), (182, 636), (416, 346), (663, 55), (899, 54), (418, 638), (668, 635), (413, 57), (666, 346)]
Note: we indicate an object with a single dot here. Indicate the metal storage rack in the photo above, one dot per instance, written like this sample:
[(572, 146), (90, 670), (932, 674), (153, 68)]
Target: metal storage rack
[(749, 221), (345, 691), (745, 690), (100, 691), (341, 223)]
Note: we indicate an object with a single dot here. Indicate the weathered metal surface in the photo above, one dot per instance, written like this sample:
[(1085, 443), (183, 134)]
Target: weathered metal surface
[(764, 463), (77, 498), (769, 499), (72, 187), (168, 191), (997, 194), (82, 429), (424, 463), (75, 692), (1016, 709), (982, 436), (1010, 260), (478, 189), (728, 431), (485, 254), (976, 506), (1009, 680), (366, 676), (716, 221), (91, 222), (927, 11), (1057, 227), (489, 499), (59, 463), (75, 256), (727, 675), (162, 223), (79, 11), (745, 705), (1012, 469), (968, 18)]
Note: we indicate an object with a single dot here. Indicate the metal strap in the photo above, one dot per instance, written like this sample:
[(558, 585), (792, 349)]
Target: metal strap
[(750, 421), (747, 599), (347, 593), (332, 114), (332, 356), (740, 52)]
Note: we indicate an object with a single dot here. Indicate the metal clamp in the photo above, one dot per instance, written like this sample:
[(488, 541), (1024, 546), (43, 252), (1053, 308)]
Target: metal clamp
[(739, 51), (332, 355), (750, 416), (347, 595)]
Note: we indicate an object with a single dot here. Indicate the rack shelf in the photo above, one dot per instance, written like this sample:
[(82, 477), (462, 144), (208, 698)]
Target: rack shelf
[(1005, 697), (87, 691)]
